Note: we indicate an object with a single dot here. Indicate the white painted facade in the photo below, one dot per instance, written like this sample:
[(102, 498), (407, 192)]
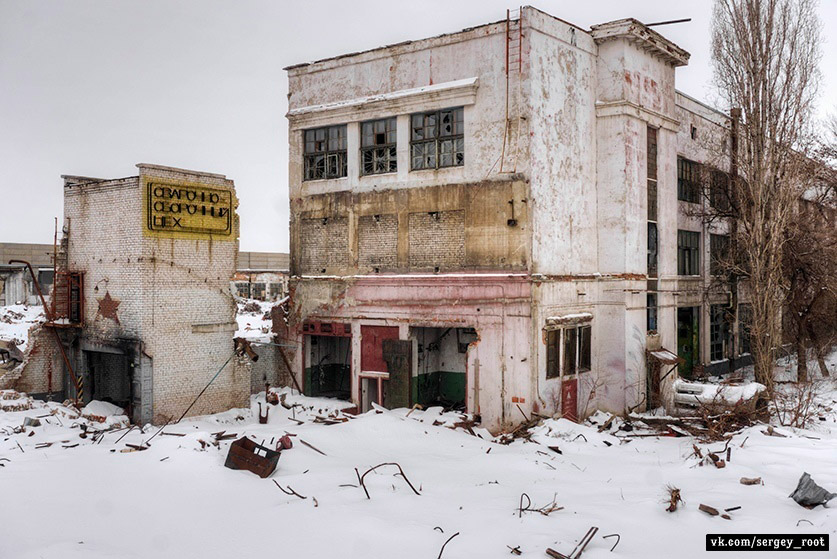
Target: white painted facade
[(579, 106)]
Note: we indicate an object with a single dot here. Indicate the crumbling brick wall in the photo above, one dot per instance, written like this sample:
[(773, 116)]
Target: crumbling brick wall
[(437, 239), (173, 293), (42, 360), (325, 244), (378, 241)]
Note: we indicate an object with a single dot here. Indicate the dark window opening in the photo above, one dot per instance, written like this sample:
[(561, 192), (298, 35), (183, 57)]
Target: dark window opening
[(718, 253), (718, 332), (719, 192), (553, 353), (437, 139), (745, 319), (325, 152), (688, 181), (378, 146), (652, 249), (651, 312), (688, 253)]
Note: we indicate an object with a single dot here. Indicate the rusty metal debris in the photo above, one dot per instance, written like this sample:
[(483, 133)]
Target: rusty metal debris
[(372, 469), (245, 454), (578, 549)]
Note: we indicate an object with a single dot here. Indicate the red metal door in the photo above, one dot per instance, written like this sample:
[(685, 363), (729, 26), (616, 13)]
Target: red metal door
[(372, 347), (569, 399)]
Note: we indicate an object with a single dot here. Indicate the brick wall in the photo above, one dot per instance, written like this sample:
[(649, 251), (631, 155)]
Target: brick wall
[(173, 295), (325, 244), (377, 240), (437, 239)]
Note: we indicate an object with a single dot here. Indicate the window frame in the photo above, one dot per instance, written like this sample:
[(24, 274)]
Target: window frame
[(557, 352), (688, 257), (718, 250), (438, 139), (719, 332), (389, 149), (340, 153), (688, 180)]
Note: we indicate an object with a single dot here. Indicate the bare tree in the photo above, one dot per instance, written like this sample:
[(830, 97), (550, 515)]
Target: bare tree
[(765, 58)]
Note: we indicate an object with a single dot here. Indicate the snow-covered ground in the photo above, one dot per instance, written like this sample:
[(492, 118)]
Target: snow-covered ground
[(80, 498), (16, 320), (253, 319)]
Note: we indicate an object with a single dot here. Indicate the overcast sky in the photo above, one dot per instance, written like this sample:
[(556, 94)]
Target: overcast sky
[(92, 87)]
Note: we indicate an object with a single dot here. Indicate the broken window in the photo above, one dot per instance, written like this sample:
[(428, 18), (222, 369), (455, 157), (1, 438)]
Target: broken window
[(243, 288), (719, 192), (718, 253), (688, 180), (257, 291), (378, 146), (553, 353), (437, 139), (573, 343), (651, 171), (652, 249), (325, 152), (718, 332), (745, 319), (651, 312), (688, 253)]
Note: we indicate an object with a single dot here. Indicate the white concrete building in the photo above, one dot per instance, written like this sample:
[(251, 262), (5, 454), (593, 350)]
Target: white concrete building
[(471, 213)]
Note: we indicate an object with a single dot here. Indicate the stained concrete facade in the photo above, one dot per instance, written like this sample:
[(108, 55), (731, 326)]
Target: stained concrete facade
[(543, 228)]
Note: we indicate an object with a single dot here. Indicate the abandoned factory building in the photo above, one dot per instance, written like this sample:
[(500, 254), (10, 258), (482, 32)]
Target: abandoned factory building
[(141, 299), (499, 218)]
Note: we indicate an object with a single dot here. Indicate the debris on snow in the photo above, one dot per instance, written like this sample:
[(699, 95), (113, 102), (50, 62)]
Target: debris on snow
[(809, 494)]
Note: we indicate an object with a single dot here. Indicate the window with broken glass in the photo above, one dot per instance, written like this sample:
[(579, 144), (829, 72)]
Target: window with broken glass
[(573, 343), (718, 332), (378, 147), (437, 139), (688, 253), (718, 253), (324, 152), (745, 319), (688, 180)]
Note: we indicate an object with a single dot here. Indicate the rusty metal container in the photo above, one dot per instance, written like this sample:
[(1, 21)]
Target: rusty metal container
[(244, 454)]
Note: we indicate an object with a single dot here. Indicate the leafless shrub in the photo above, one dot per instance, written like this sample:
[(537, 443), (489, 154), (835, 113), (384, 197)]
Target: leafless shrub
[(795, 404)]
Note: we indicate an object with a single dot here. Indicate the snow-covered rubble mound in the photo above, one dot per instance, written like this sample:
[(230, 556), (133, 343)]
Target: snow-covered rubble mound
[(17, 320), (254, 322)]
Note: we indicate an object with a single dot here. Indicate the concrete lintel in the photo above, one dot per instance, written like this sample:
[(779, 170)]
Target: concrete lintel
[(628, 108), (438, 96), (214, 327)]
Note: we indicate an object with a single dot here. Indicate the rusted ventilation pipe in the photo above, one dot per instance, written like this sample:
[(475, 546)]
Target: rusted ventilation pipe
[(243, 346)]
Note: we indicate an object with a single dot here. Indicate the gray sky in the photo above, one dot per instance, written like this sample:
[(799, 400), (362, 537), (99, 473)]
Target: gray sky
[(92, 87)]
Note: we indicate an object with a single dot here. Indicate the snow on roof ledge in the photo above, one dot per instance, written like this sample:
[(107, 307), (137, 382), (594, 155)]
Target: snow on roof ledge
[(574, 318), (459, 92)]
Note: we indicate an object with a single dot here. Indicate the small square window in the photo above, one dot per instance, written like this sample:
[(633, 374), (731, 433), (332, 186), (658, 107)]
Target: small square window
[(437, 139)]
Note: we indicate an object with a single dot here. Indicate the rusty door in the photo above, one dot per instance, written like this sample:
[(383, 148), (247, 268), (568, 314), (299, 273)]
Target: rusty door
[(569, 399), (398, 356), (372, 348)]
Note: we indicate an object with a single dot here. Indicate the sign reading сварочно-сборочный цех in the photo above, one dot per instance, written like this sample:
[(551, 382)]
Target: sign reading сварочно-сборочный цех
[(188, 210)]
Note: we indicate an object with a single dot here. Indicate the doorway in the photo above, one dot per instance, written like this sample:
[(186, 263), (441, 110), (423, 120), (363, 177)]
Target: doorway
[(688, 339), (440, 372), (108, 378), (329, 371)]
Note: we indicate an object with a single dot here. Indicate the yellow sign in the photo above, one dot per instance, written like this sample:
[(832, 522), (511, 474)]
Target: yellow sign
[(188, 210)]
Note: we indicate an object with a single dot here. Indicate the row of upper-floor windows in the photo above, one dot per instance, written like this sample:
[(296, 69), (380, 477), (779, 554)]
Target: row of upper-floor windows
[(437, 139), (688, 252)]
